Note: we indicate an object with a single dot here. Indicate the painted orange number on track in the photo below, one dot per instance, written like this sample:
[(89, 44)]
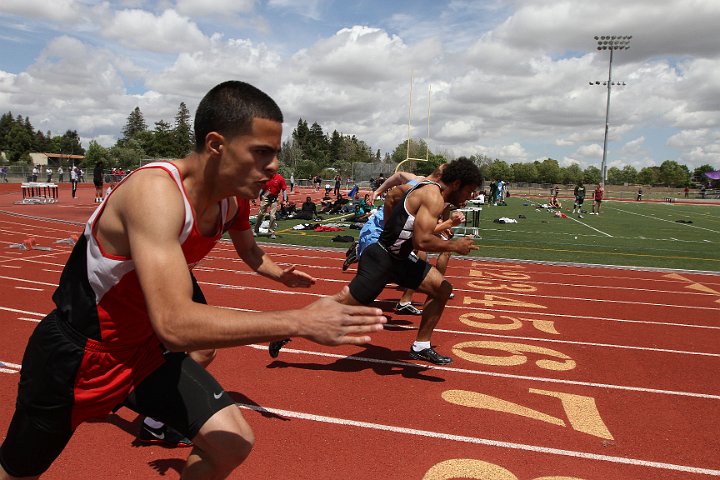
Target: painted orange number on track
[(500, 275), (581, 411), (497, 300), (471, 319), (510, 287), (471, 468), (516, 357)]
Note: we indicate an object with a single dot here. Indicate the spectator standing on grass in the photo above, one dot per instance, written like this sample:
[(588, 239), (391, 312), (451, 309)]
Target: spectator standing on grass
[(120, 338), (579, 193), (74, 175), (98, 180), (269, 199), (687, 191), (639, 194), (598, 199), (336, 189)]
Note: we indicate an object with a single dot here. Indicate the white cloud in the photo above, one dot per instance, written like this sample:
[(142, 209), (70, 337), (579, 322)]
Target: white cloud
[(168, 32), (58, 10), (509, 79), (214, 8)]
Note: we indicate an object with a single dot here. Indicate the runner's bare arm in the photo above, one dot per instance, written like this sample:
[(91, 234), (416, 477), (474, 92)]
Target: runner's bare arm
[(398, 178), (152, 213), (257, 259), (430, 205)]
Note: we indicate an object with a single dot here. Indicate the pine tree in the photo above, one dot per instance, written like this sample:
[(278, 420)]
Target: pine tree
[(135, 125), (183, 132)]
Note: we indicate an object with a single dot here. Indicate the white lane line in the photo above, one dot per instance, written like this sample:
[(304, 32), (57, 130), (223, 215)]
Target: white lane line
[(10, 266), (397, 363), (588, 317), (467, 307), (10, 365), (565, 342), (470, 278), (588, 226), (30, 288), (578, 299), (482, 441), (663, 220)]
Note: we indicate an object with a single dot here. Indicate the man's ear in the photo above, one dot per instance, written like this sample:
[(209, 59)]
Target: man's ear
[(214, 143)]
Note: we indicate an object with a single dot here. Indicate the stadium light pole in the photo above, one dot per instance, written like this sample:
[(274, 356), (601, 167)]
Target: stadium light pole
[(612, 43)]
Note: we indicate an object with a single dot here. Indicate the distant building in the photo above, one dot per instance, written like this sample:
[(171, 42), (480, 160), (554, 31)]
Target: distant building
[(55, 159)]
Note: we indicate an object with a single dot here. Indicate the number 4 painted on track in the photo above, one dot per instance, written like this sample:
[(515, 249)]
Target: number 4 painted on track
[(581, 411)]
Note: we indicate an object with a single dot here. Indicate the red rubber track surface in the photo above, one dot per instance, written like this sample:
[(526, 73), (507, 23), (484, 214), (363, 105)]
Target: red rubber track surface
[(559, 371)]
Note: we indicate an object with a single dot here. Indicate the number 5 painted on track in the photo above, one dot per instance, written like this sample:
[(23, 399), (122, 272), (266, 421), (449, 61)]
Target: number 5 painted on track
[(581, 411)]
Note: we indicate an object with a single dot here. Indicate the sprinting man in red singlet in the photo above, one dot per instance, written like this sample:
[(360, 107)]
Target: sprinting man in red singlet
[(125, 315)]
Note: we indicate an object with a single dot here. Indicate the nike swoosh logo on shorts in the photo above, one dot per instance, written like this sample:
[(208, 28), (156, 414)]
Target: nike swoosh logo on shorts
[(218, 395), (159, 436)]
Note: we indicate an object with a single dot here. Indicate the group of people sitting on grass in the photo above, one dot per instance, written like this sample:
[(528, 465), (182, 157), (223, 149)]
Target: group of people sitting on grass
[(359, 211)]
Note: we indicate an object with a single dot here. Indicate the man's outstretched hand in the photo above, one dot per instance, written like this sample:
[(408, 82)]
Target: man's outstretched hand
[(329, 322)]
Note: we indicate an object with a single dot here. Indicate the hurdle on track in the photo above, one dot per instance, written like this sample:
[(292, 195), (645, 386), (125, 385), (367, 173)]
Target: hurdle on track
[(472, 221), (39, 193)]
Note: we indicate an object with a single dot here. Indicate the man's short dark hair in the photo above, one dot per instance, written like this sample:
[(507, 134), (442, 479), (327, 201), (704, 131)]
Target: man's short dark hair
[(462, 169), (229, 109)]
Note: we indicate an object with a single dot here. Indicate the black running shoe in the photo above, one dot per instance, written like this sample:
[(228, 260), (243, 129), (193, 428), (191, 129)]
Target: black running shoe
[(274, 347), (352, 258), (165, 436), (352, 249), (430, 355)]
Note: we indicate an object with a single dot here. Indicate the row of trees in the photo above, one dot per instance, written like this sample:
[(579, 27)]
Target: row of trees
[(18, 138), (310, 151), (137, 144), (669, 173)]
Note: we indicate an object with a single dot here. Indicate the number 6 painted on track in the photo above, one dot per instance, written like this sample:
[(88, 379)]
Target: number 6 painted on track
[(517, 357)]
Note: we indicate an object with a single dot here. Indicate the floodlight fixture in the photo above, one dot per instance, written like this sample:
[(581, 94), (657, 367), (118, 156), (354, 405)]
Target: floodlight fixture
[(611, 43)]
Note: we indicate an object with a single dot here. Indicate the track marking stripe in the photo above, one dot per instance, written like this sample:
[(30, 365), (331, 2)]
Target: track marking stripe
[(493, 374), (566, 342), (623, 302), (663, 220), (588, 226), (481, 441)]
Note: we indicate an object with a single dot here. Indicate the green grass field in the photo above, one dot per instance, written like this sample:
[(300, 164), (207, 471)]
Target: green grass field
[(626, 233)]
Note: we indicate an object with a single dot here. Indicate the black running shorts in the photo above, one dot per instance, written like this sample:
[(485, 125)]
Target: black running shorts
[(378, 267), (179, 393)]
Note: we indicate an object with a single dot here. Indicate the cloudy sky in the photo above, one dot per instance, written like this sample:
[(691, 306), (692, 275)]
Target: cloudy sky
[(509, 79)]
